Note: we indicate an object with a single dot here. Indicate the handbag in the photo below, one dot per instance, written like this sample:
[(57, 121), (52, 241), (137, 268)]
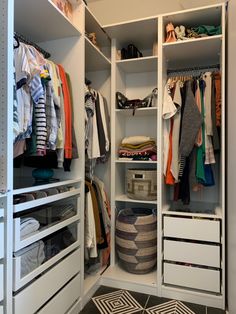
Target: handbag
[(123, 102)]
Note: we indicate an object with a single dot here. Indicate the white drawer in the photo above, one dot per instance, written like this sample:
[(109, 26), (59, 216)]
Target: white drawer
[(1, 240), (1, 283), (61, 303), (192, 277), (194, 229), (192, 253), (1, 309), (30, 299)]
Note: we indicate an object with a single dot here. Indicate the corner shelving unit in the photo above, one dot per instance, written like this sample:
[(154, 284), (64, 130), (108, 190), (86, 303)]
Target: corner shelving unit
[(135, 78)]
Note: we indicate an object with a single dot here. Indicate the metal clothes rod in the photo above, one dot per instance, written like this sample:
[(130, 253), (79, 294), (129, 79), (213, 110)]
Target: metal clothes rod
[(25, 40), (215, 67)]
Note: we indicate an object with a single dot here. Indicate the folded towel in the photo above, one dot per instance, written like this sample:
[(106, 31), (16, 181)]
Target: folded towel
[(136, 140), (28, 225)]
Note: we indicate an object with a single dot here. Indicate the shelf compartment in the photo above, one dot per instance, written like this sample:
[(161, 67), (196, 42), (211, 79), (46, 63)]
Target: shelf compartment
[(139, 112), (63, 300), (142, 33), (37, 27), (1, 283), (1, 213), (192, 277), (1, 240), (138, 65), (192, 253), (39, 234), (41, 201), (95, 59), (43, 288), (22, 279), (116, 277), (192, 229), (193, 52), (92, 25), (1, 309)]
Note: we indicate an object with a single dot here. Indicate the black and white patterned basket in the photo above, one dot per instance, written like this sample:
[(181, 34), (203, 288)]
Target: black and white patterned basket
[(136, 239)]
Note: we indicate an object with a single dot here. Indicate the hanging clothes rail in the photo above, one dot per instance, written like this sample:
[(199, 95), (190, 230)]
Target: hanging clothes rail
[(25, 40), (193, 70)]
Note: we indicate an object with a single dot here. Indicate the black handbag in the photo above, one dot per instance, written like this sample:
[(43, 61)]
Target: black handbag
[(123, 102), (131, 52)]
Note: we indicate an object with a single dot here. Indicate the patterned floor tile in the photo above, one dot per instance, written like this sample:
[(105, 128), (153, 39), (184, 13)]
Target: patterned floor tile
[(198, 309), (211, 310), (118, 302), (170, 307)]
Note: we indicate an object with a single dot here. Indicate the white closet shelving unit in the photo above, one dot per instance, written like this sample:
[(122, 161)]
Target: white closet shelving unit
[(135, 78), (203, 279), (59, 285)]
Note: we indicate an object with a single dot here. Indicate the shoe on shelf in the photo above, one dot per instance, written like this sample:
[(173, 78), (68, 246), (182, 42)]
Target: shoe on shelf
[(170, 33), (180, 32)]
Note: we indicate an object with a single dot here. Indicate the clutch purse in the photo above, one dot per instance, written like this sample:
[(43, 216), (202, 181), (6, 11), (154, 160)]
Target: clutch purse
[(123, 102)]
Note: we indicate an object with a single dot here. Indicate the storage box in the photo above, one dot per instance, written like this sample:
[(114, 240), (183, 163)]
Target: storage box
[(141, 184)]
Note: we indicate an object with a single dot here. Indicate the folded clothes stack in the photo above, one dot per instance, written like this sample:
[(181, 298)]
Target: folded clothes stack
[(138, 148)]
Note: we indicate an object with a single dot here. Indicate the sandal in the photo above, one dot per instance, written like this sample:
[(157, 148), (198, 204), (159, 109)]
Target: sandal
[(170, 31)]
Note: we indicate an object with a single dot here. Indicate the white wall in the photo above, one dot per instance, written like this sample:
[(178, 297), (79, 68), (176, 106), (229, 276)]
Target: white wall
[(231, 226), (115, 11)]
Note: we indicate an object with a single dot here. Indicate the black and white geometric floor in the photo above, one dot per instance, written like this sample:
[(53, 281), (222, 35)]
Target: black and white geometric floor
[(112, 301)]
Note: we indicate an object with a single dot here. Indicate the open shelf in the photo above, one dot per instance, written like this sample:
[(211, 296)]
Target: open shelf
[(125, 198), (1, 213), (50, 25), (193, 52), (92, 25), (143, 32), (138, 65), (120, 278), (95, 59)]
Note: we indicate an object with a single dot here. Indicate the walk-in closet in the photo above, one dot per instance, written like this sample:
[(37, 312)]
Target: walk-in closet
[(102, 127)]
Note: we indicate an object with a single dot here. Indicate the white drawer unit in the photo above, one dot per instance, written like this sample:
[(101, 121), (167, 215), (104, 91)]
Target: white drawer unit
[(192, 277), (1, 240), (1, 283), (192, 229), (192, 253), (30, 299), (62, 301), (24, 271)]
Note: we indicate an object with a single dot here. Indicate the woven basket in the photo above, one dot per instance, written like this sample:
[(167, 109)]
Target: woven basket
[(142, 184), (136, 239)]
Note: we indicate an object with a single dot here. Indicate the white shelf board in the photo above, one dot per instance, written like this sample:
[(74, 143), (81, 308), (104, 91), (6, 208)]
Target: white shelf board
[(92, 25), (95, 60), (46, 186), (142, 33), (187, 214), (119, 161), (150, 111), (193, 52), (118, 274), (50, 24), (125, 198), (210, 15), (138, 65)]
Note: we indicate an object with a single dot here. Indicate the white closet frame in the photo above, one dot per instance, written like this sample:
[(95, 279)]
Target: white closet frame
[(67, 44)]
